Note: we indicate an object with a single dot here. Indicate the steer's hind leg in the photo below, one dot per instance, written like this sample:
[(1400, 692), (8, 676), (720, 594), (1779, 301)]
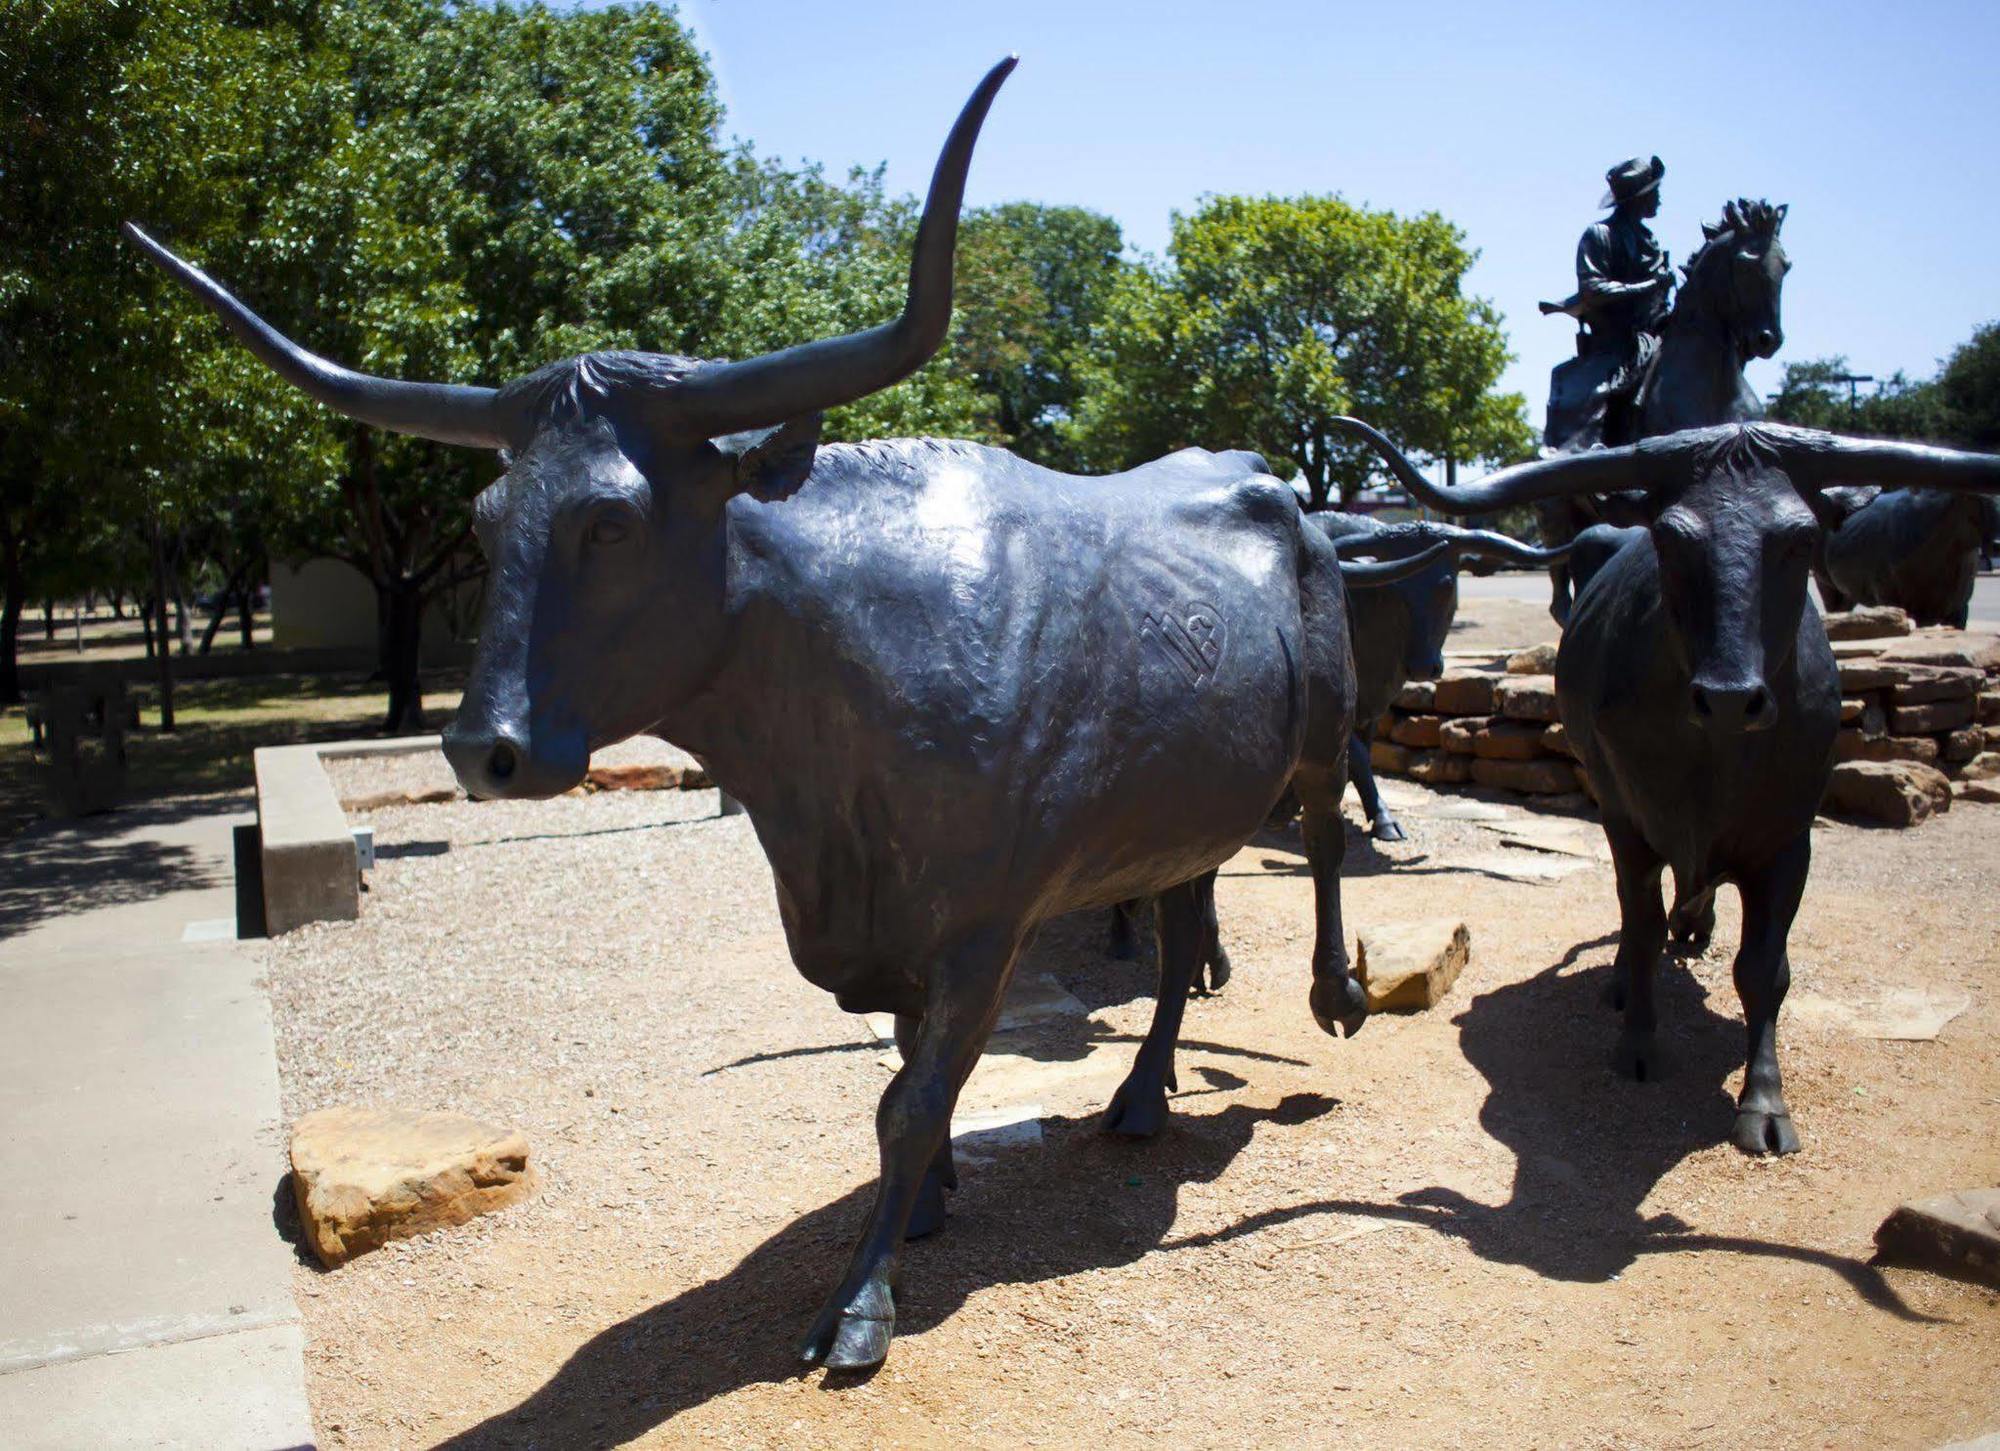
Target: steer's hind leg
[(1763, 973), (1337, 999), (1642, 933), (912, 1123), (928, 1215), (1139, 1108), (1123, 944), (1382, 823), (1213, 958)]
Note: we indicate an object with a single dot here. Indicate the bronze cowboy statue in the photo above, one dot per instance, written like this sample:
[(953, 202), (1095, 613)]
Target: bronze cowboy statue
[(1644, 368), (1623, 282)]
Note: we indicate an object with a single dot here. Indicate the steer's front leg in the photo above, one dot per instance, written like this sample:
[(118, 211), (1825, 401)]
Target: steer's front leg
[(912, 1123), (1763, 973)]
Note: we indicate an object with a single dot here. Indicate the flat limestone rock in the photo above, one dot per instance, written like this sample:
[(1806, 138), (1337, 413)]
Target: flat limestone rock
[(1554, 834), (365, 1176), (1867, 622), (1546, 777), (1035, 999), (1955, 1234), (1460, 691), (1411, 965), (1852, 745), (1893, 1015), (1895, 793), (1528, 697), (1535, 660), (1941, 646)]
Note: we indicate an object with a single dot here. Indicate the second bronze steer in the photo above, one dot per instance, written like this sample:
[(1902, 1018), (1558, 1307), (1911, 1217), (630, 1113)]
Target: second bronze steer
[(1400, 625), (1699, 690)]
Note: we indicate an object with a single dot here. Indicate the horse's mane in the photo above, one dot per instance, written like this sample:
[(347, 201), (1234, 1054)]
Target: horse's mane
[(1742, 220)]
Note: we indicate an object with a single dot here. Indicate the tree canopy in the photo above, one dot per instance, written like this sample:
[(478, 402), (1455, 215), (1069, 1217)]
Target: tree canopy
[(1273, 315), (461, 191), (1960, 406)]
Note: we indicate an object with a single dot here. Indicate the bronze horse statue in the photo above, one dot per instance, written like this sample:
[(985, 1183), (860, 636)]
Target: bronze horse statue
[(1725, 312)]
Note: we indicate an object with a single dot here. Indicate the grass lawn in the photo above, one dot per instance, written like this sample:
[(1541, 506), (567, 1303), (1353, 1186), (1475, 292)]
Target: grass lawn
[(218, 723)]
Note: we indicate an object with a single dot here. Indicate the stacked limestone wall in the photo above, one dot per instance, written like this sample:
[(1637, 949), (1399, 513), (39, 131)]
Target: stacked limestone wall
[(1929, 697)]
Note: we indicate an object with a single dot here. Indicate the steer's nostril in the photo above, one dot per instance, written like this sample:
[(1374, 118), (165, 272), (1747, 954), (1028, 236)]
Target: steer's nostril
[(1701, 701), (1754, 706), (500, 764)]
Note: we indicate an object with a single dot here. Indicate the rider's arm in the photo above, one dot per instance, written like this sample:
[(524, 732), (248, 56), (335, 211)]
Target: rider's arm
[(1593, 269)]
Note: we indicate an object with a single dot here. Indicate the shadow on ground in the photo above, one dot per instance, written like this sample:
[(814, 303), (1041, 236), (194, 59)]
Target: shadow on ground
[(56, 868), (1588, 1148), (1588, 1145), (1085, 1202)]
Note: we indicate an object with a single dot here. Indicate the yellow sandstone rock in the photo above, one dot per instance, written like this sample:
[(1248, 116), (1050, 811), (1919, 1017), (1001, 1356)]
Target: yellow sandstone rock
[(1411, 965), (365, 1176)]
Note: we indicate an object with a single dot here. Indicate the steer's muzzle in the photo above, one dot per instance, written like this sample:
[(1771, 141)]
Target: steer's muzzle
[(1741, 706), (491, 764), (1766, 341)]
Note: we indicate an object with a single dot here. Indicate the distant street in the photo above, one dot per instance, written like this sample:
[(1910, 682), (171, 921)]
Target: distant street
[(1535, 587)]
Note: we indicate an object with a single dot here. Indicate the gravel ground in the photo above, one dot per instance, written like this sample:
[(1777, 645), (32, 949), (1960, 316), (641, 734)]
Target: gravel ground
[(1455, 1229)]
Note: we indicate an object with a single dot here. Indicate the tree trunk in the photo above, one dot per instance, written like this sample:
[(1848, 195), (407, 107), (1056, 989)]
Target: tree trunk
[(402, 652), (224, 597), (48, 619), (164, 656), (246, 605), (214, 623), (118, 604), (13, 599), (144, 605)]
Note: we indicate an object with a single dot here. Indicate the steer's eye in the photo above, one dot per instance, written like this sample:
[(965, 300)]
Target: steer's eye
[(609, 528)]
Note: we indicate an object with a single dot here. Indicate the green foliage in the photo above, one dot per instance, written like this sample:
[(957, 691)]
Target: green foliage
[(1272, 316), (1810, 397), (1960, 406), (807, 258), (1969, 387), (1033, 285)]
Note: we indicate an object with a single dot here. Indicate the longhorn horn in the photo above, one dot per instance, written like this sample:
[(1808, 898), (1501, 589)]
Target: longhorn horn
[(447, 412), (1491, 544), (1599, 471), (722, 398), (1818, 460), (1357, 574)]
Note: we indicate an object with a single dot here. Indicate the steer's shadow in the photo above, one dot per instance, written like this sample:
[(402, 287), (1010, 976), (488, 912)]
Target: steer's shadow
[(1086, 1202), (1589, 1146)]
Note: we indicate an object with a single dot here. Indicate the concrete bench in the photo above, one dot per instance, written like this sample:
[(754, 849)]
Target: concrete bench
[(311, 870), (311, 866)]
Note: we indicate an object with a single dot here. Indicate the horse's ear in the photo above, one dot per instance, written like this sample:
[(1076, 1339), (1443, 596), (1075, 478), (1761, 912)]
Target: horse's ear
[(1782, 208), (1710, 231)]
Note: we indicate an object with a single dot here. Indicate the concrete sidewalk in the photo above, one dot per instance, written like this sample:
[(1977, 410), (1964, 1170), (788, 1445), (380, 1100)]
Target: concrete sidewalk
[(145, 1293)]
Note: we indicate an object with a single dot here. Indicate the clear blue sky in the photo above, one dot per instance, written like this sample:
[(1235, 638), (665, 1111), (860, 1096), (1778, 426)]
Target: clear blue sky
[(1877, 122)]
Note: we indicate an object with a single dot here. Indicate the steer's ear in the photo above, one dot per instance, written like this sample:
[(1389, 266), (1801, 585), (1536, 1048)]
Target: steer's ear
[(773, 461), (1837, 503)]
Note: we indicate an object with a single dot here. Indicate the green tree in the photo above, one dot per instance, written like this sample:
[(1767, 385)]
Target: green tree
[(809, 258), (1033, 285), (478, 191), (1273, 315), (114, 108), (1969, 388), (1811, 395)]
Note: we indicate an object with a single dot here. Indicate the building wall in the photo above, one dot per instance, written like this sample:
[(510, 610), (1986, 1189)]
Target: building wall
[(328, 603)]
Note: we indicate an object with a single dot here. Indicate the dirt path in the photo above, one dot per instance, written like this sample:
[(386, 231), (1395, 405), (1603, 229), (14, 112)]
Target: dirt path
[(1456, 1229)]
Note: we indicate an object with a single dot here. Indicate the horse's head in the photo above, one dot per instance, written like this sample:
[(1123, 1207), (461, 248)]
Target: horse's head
[(1738, 274)]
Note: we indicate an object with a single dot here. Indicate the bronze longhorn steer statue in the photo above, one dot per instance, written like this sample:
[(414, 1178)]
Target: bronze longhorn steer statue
[(957, 694), (1699, 690)]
